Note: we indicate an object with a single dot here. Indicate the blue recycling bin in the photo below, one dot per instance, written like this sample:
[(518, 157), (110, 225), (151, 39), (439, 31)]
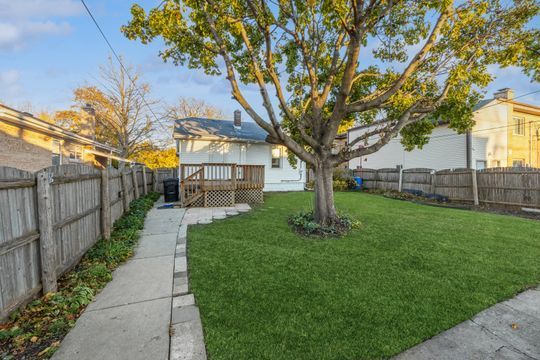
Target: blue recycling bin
[(358, 180)]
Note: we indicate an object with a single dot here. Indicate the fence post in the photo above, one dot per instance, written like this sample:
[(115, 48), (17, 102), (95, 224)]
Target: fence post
[(145, 185), (135, 184), (475, 187), (46, 240), (105, 205), (155, 180), (125, 200), (400, 181), (433, 182)]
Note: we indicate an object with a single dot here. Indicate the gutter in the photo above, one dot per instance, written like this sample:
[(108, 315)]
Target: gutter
[(207, 138), (14, 116), (110, 156)]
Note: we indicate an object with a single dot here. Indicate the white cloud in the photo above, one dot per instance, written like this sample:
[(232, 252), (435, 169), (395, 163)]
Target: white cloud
[(13, 36), (40, 9), (24, 21)]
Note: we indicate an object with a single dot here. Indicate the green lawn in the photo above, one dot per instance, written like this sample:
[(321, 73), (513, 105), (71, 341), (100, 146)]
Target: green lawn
[(409, 273)]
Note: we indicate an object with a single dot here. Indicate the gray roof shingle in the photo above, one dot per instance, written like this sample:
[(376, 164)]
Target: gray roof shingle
[(213, 129)]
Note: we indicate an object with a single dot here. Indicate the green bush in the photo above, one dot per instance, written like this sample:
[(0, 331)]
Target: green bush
[(340, 185), (304, 223)]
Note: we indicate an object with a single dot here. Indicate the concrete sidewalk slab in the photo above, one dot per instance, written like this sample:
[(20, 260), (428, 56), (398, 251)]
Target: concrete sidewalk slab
[(508, 330), (155, 245), (517, 328), (449, 345), (135, 332), (136, 281), (187, 341)]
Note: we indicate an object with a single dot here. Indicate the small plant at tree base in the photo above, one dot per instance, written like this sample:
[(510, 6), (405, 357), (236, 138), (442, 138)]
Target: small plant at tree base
[(35, 332), (304, 223)]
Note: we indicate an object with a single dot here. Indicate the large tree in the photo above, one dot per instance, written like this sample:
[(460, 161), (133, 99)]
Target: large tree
[(402, 65), (192, 107), (121, 103)]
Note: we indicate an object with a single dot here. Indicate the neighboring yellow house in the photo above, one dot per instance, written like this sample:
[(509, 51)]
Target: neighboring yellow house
[(31, 144), (524, 134)]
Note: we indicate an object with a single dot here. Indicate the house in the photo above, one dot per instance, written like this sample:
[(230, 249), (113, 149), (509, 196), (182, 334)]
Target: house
[(201, 141), (506, 133), (31, 144)]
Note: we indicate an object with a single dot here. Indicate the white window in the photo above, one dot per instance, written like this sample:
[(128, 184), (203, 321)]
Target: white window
[(518, 163), (277, 154), (480, 164), (75, 154), (519, 126), (56, 153)]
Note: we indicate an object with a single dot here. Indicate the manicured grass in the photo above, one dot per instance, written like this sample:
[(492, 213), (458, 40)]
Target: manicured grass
[(409, 273)]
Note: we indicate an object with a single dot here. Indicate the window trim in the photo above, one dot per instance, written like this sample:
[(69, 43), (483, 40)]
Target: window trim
[(56, 152), (272, 158), (520, 160), (482, 162), (519, 126), (76, 150)]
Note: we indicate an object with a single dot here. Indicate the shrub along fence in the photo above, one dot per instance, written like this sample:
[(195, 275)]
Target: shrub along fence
[(49, 219), (514, 187)]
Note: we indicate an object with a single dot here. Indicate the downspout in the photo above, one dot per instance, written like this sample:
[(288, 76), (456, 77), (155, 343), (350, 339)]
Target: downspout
[(530, 144), (468, 145), (300, 171)]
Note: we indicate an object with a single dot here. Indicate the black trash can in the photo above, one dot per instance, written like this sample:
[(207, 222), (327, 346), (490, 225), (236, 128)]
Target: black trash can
[(170, 190)]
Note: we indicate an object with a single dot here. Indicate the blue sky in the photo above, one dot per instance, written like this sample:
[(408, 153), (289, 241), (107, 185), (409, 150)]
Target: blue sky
[(50, 47)]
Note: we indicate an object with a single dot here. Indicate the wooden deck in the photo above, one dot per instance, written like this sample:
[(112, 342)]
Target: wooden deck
[(217, 184)]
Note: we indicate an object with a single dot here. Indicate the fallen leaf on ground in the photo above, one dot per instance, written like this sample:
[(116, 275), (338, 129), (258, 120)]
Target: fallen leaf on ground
[(43, 352)]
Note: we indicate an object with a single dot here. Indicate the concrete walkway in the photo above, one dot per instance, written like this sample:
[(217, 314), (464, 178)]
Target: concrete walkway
[(187, 339), (508, 330), (146, 311), (131, 316)]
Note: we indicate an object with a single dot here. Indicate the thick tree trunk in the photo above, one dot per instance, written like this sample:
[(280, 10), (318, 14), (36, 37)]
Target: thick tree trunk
[(324, 209)]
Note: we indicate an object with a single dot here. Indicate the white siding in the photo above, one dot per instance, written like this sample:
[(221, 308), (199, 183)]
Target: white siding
[(446, 149), (285, 178), (490, 135), (194, 152)]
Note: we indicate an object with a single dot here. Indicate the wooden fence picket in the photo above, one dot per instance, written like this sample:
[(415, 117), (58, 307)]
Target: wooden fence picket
[(47, 245)]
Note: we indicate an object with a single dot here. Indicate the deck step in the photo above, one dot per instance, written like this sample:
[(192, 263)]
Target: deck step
[(192, 199)]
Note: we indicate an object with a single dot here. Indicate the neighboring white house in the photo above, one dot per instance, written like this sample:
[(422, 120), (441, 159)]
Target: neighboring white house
[(201, 141), (505, 134)]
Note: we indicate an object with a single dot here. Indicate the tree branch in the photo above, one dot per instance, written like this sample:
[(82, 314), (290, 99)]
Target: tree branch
[(363, 105)]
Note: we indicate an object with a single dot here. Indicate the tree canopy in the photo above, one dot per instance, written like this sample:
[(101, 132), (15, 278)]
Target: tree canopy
[(401, 65)]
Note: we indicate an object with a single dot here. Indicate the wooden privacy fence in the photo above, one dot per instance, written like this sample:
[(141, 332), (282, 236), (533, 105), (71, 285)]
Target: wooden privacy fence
[(162, 174), (516, 187), (49, 219)]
